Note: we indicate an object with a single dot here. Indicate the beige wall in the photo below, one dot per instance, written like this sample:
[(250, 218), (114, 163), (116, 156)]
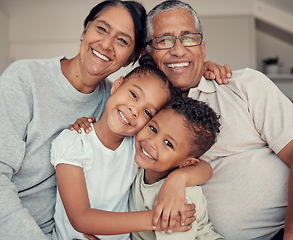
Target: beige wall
[(4, 45), (53, 28)]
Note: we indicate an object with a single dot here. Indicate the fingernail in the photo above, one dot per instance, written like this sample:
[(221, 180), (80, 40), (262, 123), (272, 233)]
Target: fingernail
[(154, 227), (90, 129), (229, 75), (170, 231)]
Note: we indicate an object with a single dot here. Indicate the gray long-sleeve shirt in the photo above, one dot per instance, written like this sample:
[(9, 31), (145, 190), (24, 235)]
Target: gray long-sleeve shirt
[(36, 103)]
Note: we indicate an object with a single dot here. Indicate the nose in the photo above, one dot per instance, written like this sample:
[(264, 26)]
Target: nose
[(107, 42), (178, 49), (133, 112)]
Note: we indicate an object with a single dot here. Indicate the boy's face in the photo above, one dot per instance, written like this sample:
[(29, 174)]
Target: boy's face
[(163, 144), (134, 102)]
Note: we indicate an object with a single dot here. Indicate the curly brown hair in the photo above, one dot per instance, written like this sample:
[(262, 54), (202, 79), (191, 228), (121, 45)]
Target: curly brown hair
[(200, 119)]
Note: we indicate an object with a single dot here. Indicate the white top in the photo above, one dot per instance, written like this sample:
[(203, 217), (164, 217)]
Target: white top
[(143, 196), (109, 175), (247, 195)]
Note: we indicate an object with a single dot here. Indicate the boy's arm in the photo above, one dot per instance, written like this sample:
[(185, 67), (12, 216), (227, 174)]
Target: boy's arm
[(73, 192), (171, 198)]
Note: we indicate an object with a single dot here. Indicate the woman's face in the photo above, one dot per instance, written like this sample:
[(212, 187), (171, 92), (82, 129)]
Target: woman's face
[(108, 42)]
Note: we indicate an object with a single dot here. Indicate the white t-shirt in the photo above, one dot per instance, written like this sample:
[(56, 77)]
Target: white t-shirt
[(247, 195), (109, 175)]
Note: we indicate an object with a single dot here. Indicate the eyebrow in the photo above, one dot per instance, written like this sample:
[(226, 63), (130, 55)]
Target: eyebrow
[(181, 33), (142, 92), (109, 26)]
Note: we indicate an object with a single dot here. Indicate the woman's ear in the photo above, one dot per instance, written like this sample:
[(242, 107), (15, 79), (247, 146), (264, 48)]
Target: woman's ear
[(189, 161), (116, 84)]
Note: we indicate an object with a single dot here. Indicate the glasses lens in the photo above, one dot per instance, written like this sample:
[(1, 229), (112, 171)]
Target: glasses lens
[(192, 39), (163, 42)]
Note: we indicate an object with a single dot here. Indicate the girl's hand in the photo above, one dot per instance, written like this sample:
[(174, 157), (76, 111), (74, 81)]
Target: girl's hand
[(82, 123), (217, 72), (170, 204)]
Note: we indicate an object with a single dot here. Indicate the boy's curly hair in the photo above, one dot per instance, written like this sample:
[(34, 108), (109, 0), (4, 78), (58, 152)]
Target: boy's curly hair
[(200, 119)]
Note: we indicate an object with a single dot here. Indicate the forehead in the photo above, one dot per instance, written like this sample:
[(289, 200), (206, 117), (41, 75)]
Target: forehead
[(118, 18), (174, 22), (173, 124)]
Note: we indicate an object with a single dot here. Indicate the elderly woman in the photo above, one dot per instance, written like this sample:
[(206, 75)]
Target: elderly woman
[(39, 98)]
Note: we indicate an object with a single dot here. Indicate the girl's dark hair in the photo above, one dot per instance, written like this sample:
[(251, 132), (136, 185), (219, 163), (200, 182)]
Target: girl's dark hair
[(149, 67), (200, 119), (137, 12)]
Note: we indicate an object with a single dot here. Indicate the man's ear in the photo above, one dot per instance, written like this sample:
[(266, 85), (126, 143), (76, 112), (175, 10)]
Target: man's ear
[(116, 84), (189, 161)]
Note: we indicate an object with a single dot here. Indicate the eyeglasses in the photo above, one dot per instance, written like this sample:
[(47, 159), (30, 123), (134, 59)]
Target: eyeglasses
[(187, 40)]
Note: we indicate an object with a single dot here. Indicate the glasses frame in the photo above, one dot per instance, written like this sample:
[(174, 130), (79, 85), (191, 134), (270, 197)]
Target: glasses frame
[(175, 37)]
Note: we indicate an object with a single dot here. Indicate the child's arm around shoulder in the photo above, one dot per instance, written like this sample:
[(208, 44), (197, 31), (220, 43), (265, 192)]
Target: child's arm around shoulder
[(171, 198)]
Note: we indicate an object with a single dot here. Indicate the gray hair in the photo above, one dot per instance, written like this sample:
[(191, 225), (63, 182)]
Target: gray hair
[(165, 6)]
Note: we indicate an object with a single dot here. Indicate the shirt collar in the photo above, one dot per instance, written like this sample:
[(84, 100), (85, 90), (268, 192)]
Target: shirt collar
[(207, 86)]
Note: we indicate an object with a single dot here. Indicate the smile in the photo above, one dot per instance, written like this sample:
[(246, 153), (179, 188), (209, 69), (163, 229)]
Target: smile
[(178, 65), (123, 117), (146, 154), (99, 55)]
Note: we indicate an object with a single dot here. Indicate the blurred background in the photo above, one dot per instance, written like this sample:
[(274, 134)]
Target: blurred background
[(250, 33)]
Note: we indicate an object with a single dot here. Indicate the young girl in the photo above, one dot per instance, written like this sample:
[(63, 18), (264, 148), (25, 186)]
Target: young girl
[(95, 171), (176, 137)]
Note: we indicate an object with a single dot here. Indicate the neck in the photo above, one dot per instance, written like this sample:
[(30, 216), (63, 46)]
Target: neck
[(151, 177), (109, 139), (78, 78)]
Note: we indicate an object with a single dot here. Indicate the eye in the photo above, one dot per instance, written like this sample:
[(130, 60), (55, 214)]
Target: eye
[(122, 42), (168, 144), (133, 95), (101, 30), (153, 129), (147, 112)]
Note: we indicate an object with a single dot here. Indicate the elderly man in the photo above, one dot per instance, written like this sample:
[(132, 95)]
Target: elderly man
[(248, 193)]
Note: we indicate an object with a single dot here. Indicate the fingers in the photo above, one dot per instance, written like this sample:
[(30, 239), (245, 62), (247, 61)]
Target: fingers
[(82, 123), (156, 216), (217, 72)]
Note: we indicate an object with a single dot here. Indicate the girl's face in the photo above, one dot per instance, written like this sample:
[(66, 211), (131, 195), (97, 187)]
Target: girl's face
[(108, 42), (134, 102), (162, 145)]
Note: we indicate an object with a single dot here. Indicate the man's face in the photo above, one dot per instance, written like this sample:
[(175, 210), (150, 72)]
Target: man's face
[(183, 65)]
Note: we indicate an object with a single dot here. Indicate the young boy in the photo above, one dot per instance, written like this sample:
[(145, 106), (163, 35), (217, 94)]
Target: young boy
[(174, 138)]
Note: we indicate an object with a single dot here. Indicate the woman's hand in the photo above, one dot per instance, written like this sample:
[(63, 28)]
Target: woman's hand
[(171, 205), (82, 123), (217, 72)]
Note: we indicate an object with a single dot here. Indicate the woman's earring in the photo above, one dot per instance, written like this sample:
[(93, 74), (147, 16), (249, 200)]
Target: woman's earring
[(81, 38)]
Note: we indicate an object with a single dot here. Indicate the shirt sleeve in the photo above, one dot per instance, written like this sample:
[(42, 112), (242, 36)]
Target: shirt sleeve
[(72, 148), (15, 114), (271, 110)]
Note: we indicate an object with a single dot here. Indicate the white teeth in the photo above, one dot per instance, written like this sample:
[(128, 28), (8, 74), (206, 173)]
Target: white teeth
[(121, 114), (178, 65), (101, 56), (146, 154)]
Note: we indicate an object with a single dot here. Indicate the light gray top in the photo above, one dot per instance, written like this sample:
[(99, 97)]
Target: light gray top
[(143, 196), (36, 103)]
